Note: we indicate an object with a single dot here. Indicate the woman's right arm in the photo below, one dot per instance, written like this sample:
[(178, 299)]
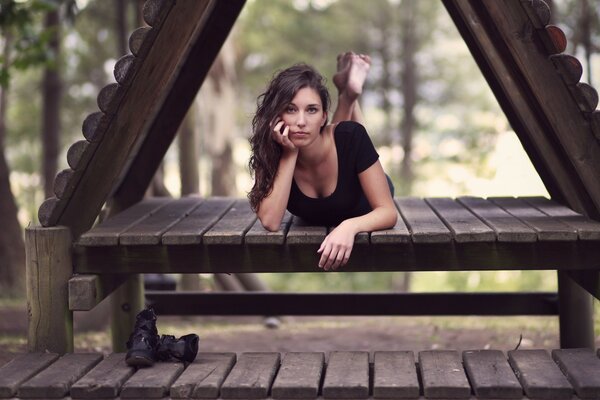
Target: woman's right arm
[(272, 208)]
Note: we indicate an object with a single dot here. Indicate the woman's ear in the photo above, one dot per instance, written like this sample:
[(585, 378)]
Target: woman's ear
[(324, 123)]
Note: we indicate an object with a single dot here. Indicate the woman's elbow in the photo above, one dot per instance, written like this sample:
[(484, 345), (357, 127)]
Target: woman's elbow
[(393, 217), (269, 223)]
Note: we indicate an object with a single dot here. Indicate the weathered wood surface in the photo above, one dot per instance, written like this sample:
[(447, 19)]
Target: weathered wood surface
[(310, 376), (424, 224), (463, 224), (87, 291), (232, 227)]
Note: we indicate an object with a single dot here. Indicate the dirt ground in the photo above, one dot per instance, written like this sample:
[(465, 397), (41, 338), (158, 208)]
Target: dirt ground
[(322, 334)]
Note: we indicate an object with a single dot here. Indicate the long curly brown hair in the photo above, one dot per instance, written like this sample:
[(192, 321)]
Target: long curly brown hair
[(266, 153)]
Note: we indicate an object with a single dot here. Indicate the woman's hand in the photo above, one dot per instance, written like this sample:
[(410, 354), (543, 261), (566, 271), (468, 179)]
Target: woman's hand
[(337, 246), (282, 136)]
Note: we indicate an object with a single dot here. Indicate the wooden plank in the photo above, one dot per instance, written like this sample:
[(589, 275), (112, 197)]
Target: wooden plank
[(251, 377), (204, 377), (299, 376), (443, 375), (152, 383), (56, 380), (107, 232), (259, 235), (397, 234), (105, 380), (547, 228), (490, 375), (149, 230), (232, 227), (507, 227), (87, 291), (465, 226), (540, 377), (191, 229), (347, 375), (424, 224), (301, 232), (582, 369), (587, 229), (395, 375), (22, 368)]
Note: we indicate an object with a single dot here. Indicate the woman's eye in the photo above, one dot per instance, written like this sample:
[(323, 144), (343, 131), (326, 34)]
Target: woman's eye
[(312, 110)]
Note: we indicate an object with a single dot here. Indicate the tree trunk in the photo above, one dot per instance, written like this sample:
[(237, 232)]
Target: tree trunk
[(409, 92), (121, 26), (188, 156), (223, 174), (12, 246), (51, 98), (585, 26)]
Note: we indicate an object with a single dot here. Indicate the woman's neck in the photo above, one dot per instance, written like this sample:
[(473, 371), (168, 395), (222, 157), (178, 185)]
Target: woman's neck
[(317, 152)]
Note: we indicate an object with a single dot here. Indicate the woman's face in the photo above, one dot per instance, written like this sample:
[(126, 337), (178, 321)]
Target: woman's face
[(305, 116)]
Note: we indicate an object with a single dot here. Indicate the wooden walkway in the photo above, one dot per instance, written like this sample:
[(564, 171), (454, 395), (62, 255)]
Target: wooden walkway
[(481, 374), (200, 235)]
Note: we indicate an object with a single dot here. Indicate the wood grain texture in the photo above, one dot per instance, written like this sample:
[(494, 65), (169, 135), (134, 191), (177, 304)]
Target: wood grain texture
[(395, 375), (63, 183), (299, 376), (582, 369), (232, 227), (540, 377), (465, 226), (251, 377), (137, 39), (259, 235), (301, 232), (490, 375), (20, 369), (152, 383), (443, 375), (56, 380), (109, 98), (87, 291), (424, 224), (75, 153), (347, 375), (125, 69), (204, 377), (397, 234), (105, 380), (155, 11), (558, 39)]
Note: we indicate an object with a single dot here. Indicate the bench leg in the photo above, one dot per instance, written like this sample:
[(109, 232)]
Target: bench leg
[(48, 269), (126, 302), (576, 316)]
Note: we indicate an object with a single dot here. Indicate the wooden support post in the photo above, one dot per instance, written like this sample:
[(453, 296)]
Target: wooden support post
[(576, 317), (48, 268), (126, 302)]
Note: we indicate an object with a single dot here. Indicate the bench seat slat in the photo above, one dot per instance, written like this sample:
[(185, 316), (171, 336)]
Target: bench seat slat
[(56, 380), (204, 377), (299, 376), (152, 383), (230, 229), (190, 229), (395, 375), (107, 232), (540, 377), (582, 369), (547, 228), (347, 375), (398, 234), (490, 375), (149, 230), (22, 368), (251, 377), (443, 375), (465, 226), (302, 233), (105, 380), (424, 224), (507, 227), (587, 229), (259, 235)]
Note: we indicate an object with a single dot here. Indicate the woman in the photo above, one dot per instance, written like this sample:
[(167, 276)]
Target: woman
[(326, 174)]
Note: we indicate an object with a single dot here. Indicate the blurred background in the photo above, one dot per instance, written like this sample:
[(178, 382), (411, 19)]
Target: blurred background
[(435, 122)]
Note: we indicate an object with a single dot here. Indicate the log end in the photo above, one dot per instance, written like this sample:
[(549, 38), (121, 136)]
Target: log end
[(154, 11), (92, 126), (109, 98), (137, 40), (46, 212), (75, 153), (124, 69)]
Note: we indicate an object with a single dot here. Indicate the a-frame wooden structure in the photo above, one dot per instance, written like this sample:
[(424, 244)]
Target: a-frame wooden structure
[(520, 55)]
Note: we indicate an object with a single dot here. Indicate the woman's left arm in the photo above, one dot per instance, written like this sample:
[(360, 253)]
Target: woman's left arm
[(337, 246)]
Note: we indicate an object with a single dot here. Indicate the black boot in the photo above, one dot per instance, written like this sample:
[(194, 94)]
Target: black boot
[(183, 349), (143, 341)]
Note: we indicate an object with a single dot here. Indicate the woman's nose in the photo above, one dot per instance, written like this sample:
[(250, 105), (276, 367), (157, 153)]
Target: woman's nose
[(301, 120)]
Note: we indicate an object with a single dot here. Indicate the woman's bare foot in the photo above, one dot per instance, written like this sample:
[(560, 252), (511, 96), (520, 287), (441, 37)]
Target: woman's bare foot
[(343, 68), (357, 74)]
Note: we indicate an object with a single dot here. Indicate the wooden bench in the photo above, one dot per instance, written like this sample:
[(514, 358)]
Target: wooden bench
[(481, 374), (222, 235)]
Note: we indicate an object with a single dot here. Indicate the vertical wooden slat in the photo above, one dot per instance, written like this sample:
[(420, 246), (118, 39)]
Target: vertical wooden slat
[(22, 368), (424, 224), (443, 375), (347, 375), (582, 368), (490, 375), (299, 376), (540, 377), (395, 375), (251, 377), (203, 378)]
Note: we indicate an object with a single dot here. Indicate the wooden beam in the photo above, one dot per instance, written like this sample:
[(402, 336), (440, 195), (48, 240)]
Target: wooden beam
[(212, 30), (87, 291)]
